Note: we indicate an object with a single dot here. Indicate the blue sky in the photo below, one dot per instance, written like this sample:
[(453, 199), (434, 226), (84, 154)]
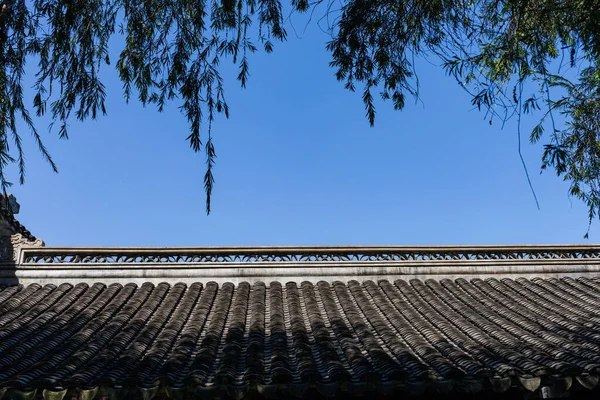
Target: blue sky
[(298, 164)]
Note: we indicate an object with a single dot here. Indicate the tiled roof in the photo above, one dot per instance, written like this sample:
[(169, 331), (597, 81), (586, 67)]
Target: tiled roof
[(417, 337), (7, 215)]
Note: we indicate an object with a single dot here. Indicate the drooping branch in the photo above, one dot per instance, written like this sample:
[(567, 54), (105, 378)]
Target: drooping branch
[(173, 50)]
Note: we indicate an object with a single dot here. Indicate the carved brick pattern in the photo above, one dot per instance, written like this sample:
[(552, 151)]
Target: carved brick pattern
[(9, 247), (76, 256)]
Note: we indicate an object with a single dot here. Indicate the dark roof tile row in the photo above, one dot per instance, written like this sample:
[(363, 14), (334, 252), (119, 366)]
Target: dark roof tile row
[(362, 337)]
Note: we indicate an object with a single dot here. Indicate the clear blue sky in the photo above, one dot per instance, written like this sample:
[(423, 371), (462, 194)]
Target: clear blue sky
[(298, 164)]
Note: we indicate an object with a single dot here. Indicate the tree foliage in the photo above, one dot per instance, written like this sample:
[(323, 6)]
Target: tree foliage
[(512, 56)]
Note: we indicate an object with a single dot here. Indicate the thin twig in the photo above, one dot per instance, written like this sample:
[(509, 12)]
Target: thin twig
[(537, 203)]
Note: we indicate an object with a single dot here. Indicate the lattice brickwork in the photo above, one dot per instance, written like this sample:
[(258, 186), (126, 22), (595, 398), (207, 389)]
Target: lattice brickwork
[(304, 255)]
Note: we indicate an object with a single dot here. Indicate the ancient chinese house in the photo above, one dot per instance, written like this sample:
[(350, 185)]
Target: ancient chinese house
[(297, 323)]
